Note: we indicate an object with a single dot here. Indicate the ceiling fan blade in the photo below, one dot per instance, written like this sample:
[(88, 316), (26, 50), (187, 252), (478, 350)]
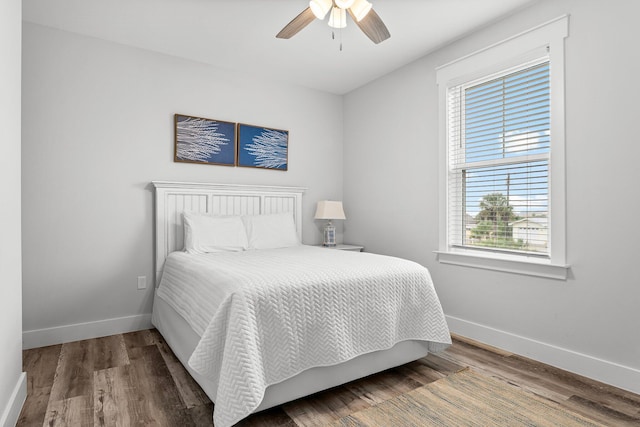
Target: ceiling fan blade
[(296, 24), (372, 26)]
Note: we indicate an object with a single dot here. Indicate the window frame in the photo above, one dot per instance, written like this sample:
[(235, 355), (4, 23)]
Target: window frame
[(512, 52)]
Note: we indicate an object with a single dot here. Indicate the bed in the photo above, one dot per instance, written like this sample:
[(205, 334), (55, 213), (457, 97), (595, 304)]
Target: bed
[(260, 327)]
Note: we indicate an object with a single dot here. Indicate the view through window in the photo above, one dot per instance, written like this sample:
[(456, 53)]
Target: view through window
[(499, 135)]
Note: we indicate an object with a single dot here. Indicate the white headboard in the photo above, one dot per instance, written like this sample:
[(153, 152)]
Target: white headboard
[(173, 198)]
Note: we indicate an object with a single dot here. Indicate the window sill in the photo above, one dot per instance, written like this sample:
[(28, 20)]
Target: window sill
[(509, 264)]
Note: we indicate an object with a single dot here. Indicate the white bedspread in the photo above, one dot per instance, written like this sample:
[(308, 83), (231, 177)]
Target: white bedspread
[(264, 316)]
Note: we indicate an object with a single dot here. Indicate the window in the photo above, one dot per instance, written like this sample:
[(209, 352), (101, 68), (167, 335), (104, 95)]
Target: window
[(499, 161), (502, 139)]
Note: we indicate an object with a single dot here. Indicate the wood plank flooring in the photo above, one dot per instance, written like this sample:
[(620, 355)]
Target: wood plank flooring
[(134, 379)]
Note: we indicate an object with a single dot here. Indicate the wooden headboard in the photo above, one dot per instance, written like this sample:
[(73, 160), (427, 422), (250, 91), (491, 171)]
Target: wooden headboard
[(173, 198)]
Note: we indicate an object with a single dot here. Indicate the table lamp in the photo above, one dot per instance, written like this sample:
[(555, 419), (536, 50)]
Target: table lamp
[(329, 210)]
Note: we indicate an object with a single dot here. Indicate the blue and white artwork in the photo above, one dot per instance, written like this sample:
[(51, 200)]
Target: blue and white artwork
[(207, 141), (261, 147)]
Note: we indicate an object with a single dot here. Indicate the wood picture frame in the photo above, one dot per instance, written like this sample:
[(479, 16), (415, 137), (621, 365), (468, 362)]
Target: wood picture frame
[(204, 141), (262, 147)]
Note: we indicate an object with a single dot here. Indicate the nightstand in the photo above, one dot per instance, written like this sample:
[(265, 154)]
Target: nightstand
[(342, 247)]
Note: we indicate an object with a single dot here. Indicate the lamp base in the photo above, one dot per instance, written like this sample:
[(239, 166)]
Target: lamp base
[(329, 235)]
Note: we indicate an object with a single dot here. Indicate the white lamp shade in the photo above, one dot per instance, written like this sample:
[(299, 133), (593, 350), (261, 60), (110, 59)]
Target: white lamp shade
[(329, 209), (320, 7), (360, 8), (338, 18), (344, 4)]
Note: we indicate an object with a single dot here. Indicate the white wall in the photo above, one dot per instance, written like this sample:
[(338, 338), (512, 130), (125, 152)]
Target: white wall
[(97, 128), (12, 382), (589, 323)]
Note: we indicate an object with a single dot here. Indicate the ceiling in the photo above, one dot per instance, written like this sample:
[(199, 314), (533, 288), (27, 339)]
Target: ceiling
[(239, 35)]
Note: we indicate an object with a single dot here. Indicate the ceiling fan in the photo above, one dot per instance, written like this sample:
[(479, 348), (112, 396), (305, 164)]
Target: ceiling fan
[(361, 12)]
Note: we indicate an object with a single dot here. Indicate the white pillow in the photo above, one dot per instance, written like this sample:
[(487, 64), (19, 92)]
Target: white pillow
[(206, 233), (271, 231)]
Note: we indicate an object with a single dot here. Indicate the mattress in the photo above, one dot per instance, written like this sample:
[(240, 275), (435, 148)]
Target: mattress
[(265, 316)]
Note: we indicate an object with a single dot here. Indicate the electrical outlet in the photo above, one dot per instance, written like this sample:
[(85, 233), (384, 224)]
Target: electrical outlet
[(142, 282)]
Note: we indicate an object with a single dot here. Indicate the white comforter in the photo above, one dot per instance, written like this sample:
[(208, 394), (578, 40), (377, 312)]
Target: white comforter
[(265, 316)]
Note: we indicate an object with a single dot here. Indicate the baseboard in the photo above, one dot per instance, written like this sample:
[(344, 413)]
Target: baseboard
[(608, 372), (14, 406), (82, 331)]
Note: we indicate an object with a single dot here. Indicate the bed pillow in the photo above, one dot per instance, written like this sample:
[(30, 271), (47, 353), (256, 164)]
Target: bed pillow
[(207, 233), (271, 231)]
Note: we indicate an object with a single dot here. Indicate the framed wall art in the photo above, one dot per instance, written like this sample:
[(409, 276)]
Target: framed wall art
[(260, 147), (207, 141)]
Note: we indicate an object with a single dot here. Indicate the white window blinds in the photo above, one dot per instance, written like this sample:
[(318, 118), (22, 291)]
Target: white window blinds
[(498, 177)]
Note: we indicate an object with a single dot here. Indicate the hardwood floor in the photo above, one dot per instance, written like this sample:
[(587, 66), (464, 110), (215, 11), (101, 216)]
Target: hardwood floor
[(134, 379)]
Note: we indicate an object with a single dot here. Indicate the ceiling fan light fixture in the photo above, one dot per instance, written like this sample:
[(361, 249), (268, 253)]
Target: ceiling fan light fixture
[(338, 18), (360, 9), (344, 4), (320, 7)]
